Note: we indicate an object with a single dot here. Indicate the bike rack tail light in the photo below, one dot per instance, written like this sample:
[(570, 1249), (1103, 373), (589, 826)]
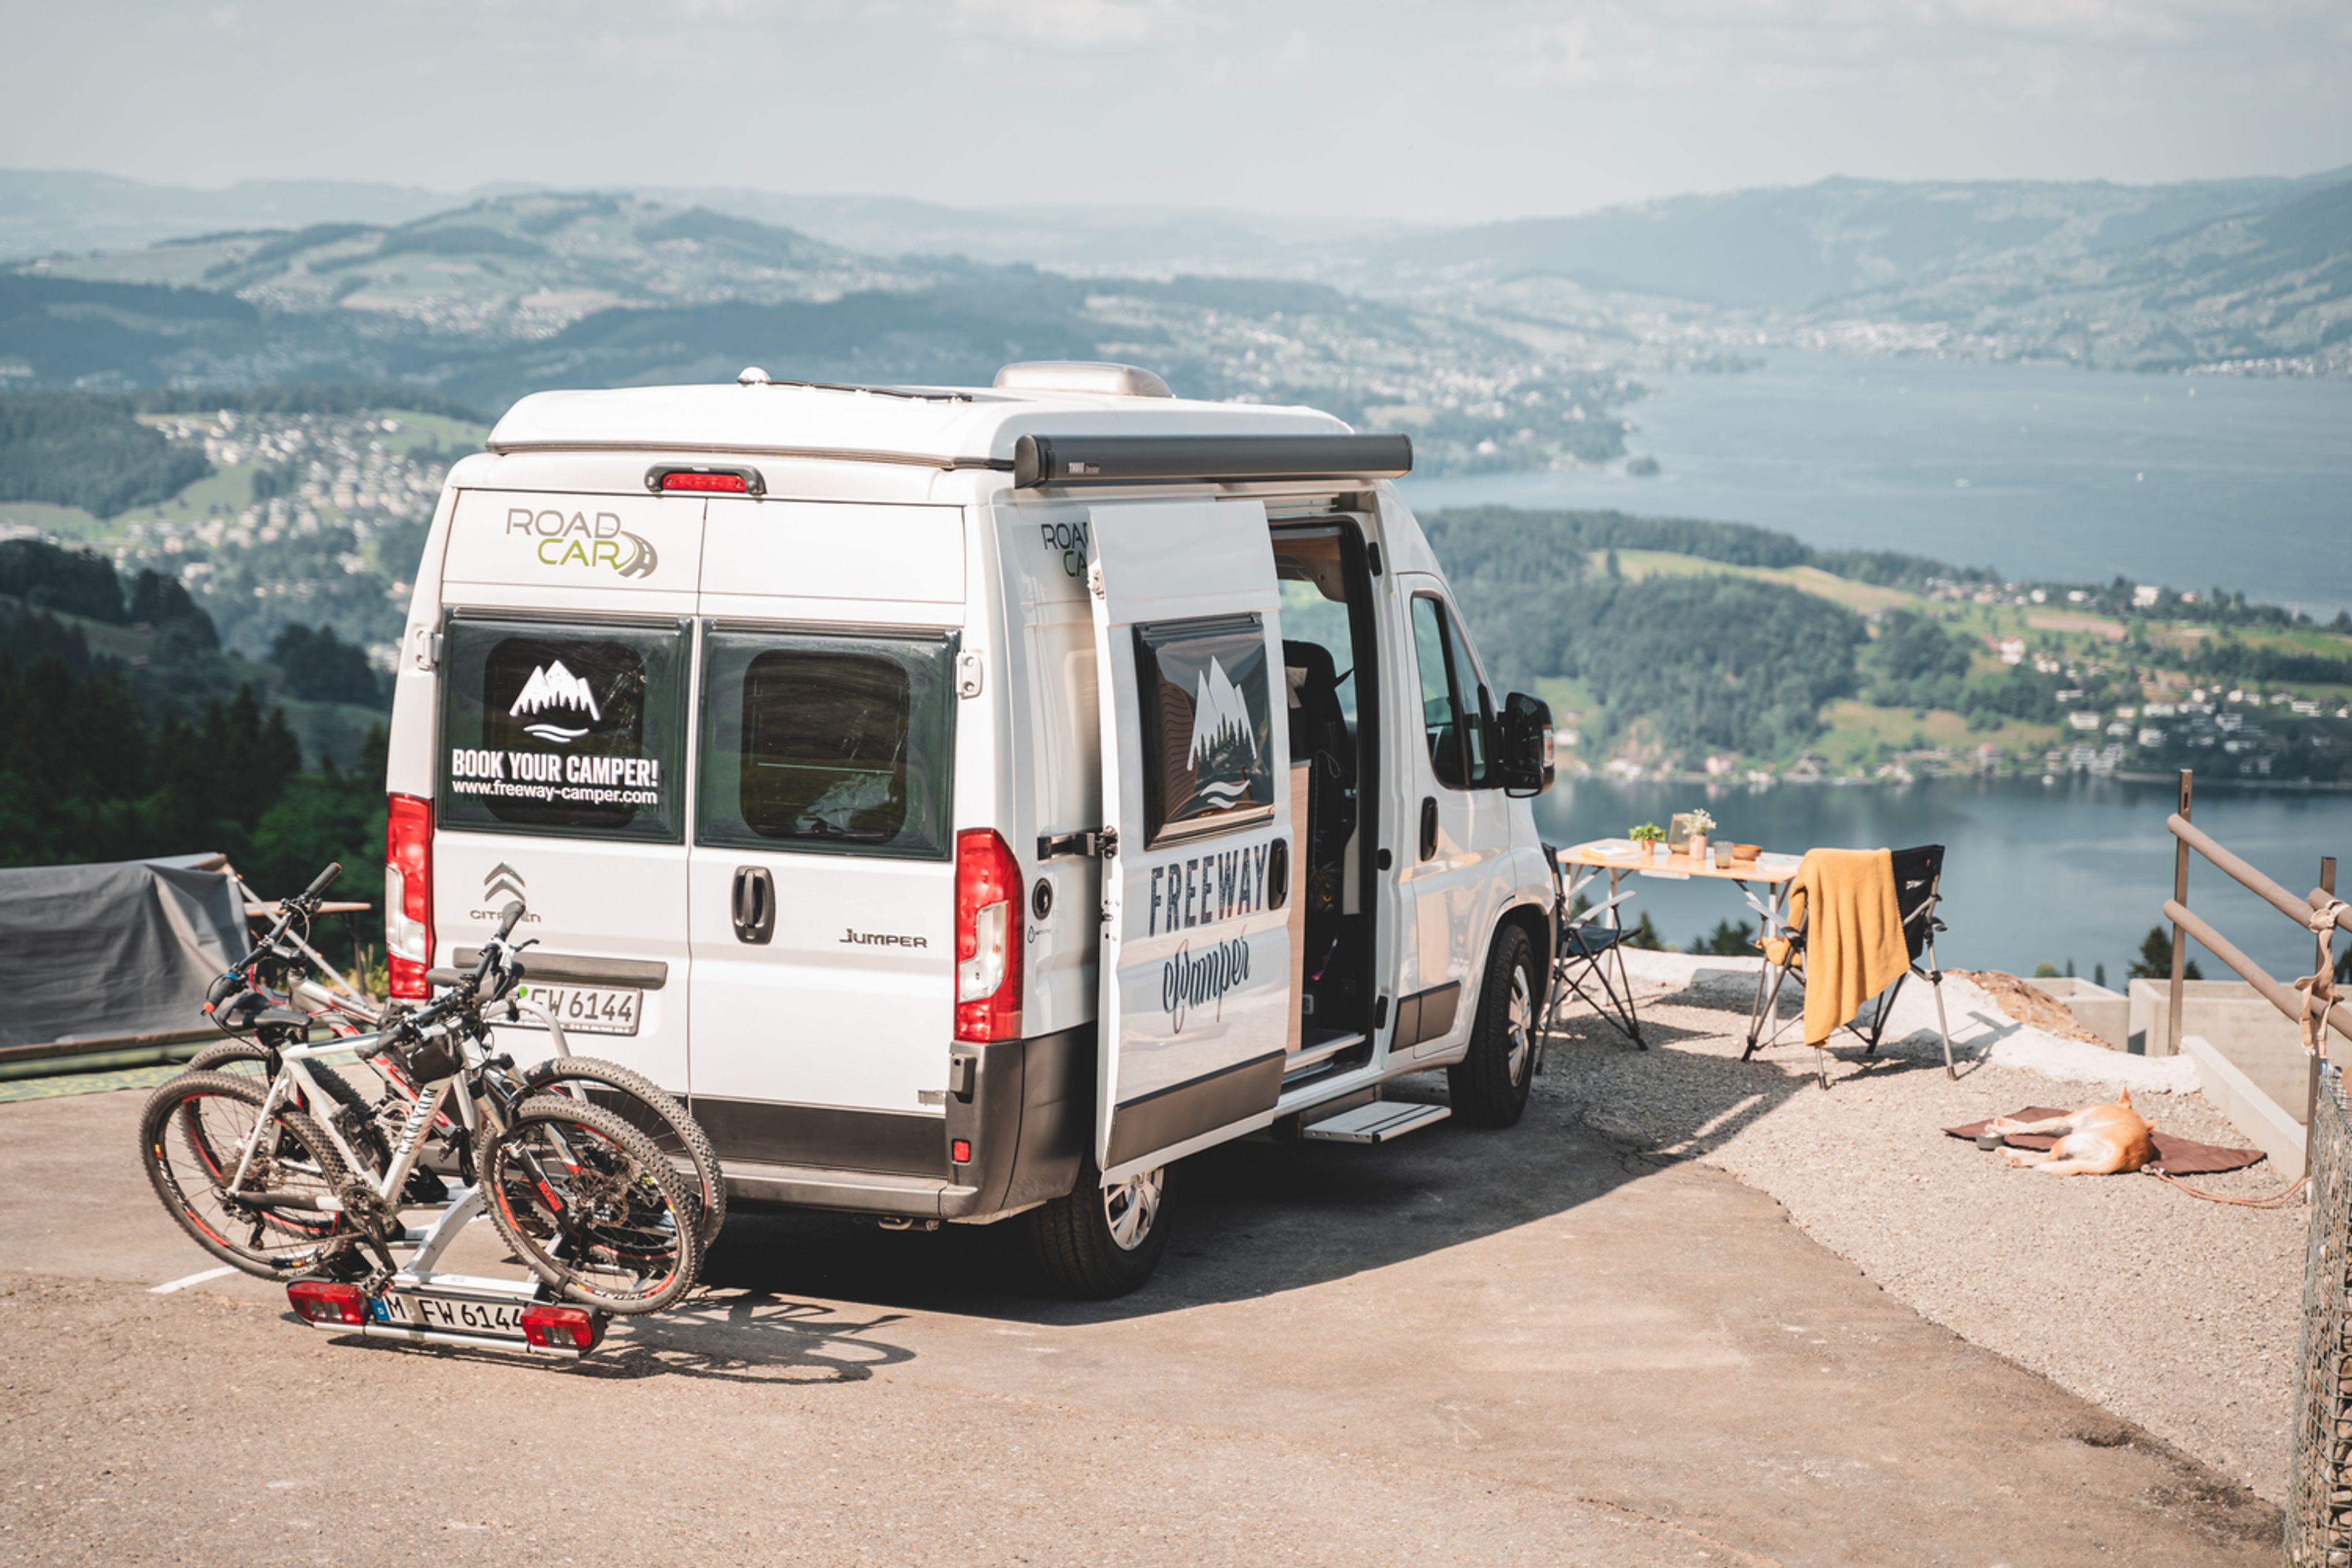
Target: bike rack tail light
[(408, 895), (327, 1302), (988, 938), (561, 1327)]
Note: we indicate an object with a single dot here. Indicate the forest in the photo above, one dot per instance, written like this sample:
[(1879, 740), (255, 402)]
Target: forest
[(1712, 663), (175, 750)]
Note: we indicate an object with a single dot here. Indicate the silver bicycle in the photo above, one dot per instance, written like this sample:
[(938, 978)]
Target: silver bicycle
[(587, 1201)]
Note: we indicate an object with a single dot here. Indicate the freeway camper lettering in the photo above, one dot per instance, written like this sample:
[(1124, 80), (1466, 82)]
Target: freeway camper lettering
[(1193, 980), (1207, 888), (556, 776)]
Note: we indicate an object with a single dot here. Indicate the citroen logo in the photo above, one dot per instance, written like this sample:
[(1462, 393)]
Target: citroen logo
[(503, 880)]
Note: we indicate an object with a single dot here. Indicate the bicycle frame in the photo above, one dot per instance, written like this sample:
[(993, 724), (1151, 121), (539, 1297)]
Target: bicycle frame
[(295, 1072), (417, 1276)]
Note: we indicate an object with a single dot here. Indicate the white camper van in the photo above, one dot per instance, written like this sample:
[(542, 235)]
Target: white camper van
[(973, 801)]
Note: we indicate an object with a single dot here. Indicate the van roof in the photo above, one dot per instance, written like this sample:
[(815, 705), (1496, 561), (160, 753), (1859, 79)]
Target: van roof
[(932, 425)]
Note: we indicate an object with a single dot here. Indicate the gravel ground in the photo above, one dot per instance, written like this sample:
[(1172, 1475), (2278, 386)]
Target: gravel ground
[(2176, 1314)]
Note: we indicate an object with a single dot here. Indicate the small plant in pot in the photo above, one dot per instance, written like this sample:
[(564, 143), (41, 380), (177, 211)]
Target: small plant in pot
[(1646, 839), (1701, 825)]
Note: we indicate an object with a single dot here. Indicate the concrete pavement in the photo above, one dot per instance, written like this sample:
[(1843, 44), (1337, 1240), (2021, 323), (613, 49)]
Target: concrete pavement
[(1468, 1347)]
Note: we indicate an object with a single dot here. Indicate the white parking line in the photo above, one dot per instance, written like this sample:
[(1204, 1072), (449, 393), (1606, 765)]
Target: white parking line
[(171, 1285)]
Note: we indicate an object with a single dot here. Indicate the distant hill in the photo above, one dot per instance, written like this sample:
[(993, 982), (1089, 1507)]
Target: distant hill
[(522, 265), (44, 212), (1793, 249), (2268, 283)]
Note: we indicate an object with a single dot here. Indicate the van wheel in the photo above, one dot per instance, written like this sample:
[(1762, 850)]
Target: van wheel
[(1098, 1242), (1490, 1086)]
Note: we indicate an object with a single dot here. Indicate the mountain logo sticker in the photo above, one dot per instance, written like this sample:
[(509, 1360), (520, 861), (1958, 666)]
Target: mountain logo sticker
[(1221, 732), (556, 691)]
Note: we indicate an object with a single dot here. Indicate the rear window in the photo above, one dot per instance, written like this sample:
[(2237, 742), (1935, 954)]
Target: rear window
[(571, 728), (827, 742)]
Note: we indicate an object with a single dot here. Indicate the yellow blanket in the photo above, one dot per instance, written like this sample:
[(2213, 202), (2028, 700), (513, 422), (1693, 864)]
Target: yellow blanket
[(1854, 947)]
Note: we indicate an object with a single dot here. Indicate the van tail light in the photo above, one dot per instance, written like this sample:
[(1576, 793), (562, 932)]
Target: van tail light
[(560, 1328), (408, 895), (327, 1302), (988, 938)]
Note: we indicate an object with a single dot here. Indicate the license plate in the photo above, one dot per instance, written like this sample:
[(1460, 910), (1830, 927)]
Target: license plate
[(448, 1313), (584, 1009)]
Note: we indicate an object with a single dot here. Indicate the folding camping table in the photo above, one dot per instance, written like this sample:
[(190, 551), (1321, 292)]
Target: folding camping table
[(1621, 858)]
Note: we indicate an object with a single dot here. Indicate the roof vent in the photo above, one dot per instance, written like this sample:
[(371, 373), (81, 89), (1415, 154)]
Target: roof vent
[(1095, 377), (750, 375)]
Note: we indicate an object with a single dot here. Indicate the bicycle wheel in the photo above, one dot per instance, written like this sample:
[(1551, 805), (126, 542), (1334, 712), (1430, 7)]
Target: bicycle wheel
[(652, 1111), (591, 1205), (191, 1136)]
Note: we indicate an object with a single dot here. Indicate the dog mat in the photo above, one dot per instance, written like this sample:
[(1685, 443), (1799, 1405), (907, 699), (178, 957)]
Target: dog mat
[(2174, 1156)]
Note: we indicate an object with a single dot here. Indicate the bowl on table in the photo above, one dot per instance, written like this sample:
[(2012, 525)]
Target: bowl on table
[(1745, 851)]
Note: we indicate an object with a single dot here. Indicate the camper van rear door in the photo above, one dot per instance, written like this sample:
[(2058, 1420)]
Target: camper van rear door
[(1196, 983)]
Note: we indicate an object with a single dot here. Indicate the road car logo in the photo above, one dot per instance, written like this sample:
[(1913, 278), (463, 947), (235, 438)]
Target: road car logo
[(555, 690), (596, 543)]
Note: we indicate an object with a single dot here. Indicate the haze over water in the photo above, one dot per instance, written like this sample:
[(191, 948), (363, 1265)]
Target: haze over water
[(2043, 471)]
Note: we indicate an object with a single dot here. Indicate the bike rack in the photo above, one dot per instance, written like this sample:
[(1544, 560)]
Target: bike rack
[(419, 1278)]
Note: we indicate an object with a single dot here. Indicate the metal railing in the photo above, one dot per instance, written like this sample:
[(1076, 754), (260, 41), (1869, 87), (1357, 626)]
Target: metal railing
[(2319, 1466), (2188, 837)]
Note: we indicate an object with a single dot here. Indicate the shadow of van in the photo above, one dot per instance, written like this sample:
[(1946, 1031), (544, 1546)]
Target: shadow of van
[(1260, 1217)]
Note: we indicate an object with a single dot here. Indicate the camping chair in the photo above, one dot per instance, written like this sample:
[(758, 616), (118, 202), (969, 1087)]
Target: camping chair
[(1918, 885), (1582, 954)]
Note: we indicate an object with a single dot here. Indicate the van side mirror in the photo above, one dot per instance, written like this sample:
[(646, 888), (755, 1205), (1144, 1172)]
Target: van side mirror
[(1524, 760)]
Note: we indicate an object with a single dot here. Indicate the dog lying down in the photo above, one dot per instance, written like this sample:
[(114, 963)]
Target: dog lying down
[(2096, 1141)]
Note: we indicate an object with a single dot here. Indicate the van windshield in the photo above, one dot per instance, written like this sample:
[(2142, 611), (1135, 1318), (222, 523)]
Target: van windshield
[(827, 742)]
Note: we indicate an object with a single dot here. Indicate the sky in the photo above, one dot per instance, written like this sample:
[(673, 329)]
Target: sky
[(1457, 112)]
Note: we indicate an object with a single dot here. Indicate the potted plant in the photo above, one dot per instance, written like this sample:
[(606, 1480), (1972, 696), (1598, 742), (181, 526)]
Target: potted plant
[(1701, 825), (1646, 839)]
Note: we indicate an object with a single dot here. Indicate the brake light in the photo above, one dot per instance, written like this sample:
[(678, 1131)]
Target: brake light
[(684, 480), (988, 938), (559, 1328), (326, 1301), (408, 895)]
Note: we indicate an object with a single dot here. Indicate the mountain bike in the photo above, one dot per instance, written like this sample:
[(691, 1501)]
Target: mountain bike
[(261, 1019), (587, 1201)]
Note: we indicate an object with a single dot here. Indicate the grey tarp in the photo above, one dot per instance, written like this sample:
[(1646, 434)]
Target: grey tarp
[(103, 952)]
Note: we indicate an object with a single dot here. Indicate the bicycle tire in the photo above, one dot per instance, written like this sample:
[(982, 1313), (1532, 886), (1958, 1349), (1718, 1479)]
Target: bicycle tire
[(172, 1116), (671, 1123), (624, 1203)]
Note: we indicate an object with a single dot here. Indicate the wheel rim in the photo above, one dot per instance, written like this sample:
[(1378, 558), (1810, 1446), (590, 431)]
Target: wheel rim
[(1131, 1208), (1518, 1023)]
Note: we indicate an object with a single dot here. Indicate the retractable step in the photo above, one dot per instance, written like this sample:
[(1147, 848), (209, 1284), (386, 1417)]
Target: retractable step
[(1376, 1121)]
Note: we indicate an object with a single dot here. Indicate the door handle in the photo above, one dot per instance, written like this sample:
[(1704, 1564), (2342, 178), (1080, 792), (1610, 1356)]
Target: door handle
[(755, 904), (1428, 826), (1277, 874)]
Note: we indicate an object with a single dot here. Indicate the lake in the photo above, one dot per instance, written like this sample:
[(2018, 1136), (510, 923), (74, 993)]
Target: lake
[(2044, 471), (2034, 874)]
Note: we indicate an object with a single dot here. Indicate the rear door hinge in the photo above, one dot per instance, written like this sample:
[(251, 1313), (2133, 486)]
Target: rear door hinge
[(1091, 843)]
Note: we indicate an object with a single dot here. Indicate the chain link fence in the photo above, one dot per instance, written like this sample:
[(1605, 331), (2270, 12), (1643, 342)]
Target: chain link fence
[(2319, 1485)]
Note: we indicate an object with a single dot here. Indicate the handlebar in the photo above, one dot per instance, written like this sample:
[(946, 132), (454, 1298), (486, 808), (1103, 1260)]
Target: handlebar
[(323, 880)]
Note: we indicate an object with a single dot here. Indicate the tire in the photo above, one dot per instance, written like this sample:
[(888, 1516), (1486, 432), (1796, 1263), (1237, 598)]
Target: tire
[(1096, 1243), (191, 1134), (657, 1114), (1489, 1085), (618, 1232)]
